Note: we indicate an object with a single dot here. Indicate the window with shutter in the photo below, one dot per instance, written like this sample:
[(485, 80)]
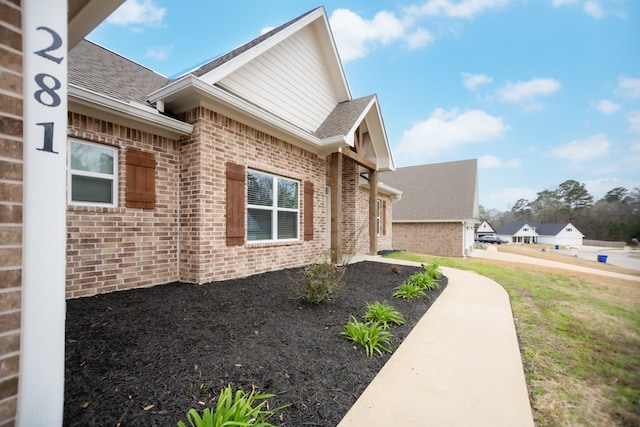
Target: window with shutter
[(93, 174), (308, 210), (235, 204), (273, 207), (141, 179)]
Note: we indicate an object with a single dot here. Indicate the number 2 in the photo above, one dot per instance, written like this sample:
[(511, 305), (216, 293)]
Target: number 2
[(56, 44)]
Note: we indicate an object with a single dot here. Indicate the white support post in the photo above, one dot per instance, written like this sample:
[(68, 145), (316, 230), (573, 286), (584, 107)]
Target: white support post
[(41, 383)]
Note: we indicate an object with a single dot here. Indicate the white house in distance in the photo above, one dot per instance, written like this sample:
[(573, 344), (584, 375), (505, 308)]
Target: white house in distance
[(484, 229), (533, 232)]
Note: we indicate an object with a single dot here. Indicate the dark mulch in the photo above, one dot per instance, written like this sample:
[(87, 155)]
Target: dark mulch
[(144, 357)]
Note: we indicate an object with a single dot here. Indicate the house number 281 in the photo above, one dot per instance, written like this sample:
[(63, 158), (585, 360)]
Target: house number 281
[(48, 85)]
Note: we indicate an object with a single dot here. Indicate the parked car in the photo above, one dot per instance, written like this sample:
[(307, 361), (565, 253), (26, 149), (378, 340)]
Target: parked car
[(491, 239)]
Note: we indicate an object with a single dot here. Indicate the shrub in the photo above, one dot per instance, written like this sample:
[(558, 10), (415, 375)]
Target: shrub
[(239, 409), (371, 335), (408, 290), (321, 282), (384, 314)]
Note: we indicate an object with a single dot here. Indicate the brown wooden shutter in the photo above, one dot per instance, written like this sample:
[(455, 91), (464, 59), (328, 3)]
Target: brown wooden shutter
[(141, 179), (235, 204), (308, 210), (384, 217)]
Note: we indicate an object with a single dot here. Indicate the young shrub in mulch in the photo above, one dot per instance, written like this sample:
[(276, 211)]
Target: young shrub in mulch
[(320, 282)]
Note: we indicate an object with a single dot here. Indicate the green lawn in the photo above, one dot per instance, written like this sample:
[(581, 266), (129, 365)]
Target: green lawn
[(579, 339)]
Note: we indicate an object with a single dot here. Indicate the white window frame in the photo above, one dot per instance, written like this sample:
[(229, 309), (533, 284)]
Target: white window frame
[(113, 177), (275, 209)]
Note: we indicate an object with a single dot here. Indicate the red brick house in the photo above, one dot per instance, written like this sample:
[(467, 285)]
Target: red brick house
[(439, 207), (258, 160), (255, 161)]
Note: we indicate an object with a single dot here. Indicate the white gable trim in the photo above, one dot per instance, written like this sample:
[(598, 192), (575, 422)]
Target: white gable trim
[(331, 52)]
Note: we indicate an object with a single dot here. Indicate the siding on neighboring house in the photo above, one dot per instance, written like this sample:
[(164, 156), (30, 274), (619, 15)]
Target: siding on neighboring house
[(11, 166), (433, 238)]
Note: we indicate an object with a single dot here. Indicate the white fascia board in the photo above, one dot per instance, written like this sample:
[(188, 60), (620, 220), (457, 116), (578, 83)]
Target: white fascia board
[(137, 112), (428, 221), (379, 122)]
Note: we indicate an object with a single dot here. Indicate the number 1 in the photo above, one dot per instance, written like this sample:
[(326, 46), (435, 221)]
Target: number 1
[(48, 137)]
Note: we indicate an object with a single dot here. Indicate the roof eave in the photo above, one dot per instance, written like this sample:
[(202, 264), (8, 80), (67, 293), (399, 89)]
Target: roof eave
[(106, 107)]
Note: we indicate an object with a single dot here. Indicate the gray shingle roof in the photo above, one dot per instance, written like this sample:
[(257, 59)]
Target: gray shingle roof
[(343, 117), (98, 69), (513, 227), (435, 192)]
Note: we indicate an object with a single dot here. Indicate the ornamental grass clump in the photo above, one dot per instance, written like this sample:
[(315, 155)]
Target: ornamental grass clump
[(384, 313), (408, 290), (321, 282), (234, 409), (433, 270), (371, 335)]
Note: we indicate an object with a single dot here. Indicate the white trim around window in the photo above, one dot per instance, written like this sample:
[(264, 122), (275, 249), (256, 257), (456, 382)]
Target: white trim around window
[(92, 174), (273, 208)]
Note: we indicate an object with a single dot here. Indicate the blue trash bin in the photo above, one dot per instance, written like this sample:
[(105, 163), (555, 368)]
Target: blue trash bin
[(602, 258), (557, 247)]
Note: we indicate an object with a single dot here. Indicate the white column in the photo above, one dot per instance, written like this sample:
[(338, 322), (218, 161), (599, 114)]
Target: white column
[(41, 385)]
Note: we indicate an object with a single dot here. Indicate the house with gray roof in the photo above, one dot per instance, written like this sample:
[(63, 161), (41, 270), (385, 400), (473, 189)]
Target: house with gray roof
[(533, 232), (258, 160), (439, 207)]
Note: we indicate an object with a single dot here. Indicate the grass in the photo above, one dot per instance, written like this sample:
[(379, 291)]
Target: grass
[(579, 338)]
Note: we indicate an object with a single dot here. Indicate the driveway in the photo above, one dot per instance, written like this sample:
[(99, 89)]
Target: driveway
[(619, 256)]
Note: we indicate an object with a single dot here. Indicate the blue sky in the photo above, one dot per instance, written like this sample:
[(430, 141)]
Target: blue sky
[(539, 91)]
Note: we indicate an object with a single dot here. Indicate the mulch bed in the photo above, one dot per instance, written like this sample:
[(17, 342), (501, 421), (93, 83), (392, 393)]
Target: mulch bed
[(144, 357)]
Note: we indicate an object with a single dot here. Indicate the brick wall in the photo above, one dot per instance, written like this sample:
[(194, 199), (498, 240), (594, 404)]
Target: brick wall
[(216, 140), (111, 249), (10, 205), (441, 238)]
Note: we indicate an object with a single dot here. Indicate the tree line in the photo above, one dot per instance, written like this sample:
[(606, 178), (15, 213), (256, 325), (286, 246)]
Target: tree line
[(615, 217)]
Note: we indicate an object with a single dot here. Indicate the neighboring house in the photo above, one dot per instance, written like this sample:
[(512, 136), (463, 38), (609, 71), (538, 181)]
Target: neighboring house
[(559, 234), (533, 232), (518, 232), (484, 229), (439, 207), (256, 161)]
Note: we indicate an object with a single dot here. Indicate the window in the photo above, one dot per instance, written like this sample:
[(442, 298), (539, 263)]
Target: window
[(272, 207), (93, 174), (569, 229)]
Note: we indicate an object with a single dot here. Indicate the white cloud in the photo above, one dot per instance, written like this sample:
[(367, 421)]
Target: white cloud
[(594, 9), (355, 36), (526, 92), (594, 147), (137, 12), (606, 107), (634, 121), (472, 81), (507, 197), (160, 53), (451, 9), (446, 130), (628, 87), (601, 186), (513, 163), (488, 161), (557, 3)]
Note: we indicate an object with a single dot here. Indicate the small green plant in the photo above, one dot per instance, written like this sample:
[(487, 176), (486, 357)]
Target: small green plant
[(321, 282), (371, 335), (408, 290), (433, 270), (383, 313), (234, 409)]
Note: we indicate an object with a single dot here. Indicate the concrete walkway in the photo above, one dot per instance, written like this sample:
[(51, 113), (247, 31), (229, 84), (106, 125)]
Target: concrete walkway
[(459, 366)]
